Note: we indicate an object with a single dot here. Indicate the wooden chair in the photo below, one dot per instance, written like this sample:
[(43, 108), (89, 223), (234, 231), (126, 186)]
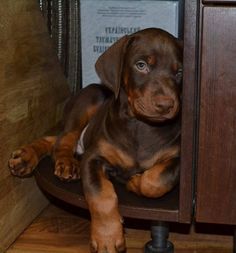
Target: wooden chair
[(160, 211)]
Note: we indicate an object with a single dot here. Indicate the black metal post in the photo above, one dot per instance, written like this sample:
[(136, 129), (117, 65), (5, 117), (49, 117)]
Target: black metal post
[(159, 242)]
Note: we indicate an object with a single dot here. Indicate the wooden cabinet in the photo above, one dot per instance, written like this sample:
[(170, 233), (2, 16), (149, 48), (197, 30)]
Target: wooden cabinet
[(218, 1), (208, 153), (216, 170)]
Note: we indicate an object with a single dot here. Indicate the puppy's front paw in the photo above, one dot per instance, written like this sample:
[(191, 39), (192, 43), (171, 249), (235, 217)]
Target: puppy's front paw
[(23, 161), (134, 184), (67, 168), (107, 237)]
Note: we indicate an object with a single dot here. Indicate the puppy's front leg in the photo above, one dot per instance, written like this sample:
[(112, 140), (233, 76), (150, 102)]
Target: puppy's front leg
[(66, 166), (106, 222), (25, 159), (156, 181)]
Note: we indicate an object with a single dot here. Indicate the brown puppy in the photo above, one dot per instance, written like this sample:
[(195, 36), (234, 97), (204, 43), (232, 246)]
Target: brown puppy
[(128, 128)]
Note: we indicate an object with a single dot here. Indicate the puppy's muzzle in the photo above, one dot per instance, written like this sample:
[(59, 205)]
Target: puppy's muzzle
[(156, 108), (164, 105)]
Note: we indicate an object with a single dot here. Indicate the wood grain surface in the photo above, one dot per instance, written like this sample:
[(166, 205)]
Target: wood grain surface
[(33, 91), (57, 230), (216, 177)]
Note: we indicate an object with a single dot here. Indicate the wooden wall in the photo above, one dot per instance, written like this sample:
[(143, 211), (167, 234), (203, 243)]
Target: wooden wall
[(33, 91)]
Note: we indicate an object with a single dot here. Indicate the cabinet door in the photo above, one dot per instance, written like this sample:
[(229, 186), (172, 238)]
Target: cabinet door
[(216, 179), (219, 1)]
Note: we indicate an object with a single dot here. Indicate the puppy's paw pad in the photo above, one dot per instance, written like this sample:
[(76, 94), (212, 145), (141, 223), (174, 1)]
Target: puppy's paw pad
[(108, 238), (67, 169), (23, 161)]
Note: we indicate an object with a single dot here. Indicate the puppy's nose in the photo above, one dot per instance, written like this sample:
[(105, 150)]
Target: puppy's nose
[(164, 104)]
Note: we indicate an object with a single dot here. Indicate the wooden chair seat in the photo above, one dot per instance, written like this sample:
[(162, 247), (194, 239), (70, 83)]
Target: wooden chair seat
[(131, 205), (159, 210)]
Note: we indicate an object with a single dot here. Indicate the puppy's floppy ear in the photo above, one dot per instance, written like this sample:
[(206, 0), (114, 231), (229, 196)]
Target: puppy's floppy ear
[(110, 64), (180, 46), (180, 43)]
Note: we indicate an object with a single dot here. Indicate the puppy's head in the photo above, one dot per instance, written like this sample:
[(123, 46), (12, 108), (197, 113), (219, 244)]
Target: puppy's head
[(148, 66)]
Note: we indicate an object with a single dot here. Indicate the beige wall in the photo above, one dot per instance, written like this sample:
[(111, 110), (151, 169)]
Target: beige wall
[(32, 94)]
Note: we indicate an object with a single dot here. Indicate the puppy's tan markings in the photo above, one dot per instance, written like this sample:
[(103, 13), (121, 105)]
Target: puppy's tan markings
[(151, 184), (115, 156), (161, 155), (106, 222)]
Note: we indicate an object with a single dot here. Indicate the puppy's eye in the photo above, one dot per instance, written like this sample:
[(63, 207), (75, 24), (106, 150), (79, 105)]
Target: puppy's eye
[(142, 66), (179, 75)]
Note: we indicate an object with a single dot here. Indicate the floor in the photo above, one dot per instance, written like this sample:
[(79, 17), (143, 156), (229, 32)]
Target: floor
[(60, 230)]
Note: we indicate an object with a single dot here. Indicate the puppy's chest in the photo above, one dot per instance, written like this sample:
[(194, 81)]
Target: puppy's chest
[(139, 148), (125, 157)]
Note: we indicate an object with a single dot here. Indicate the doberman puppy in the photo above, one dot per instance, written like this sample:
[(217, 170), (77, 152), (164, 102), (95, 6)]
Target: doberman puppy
[(127, 128)]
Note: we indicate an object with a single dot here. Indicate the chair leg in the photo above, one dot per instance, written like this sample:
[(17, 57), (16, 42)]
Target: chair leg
[(159, 242)]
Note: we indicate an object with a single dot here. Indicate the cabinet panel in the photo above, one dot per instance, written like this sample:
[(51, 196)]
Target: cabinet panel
[(219, 1), (216, 181), (188, 111)]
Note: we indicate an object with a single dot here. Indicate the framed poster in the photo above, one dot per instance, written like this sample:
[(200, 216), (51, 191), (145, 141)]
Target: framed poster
[(105, 21)]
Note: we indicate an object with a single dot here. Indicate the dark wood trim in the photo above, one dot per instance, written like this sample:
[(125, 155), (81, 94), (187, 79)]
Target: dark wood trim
[(234, 240), (188, 111), (219, 1)]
